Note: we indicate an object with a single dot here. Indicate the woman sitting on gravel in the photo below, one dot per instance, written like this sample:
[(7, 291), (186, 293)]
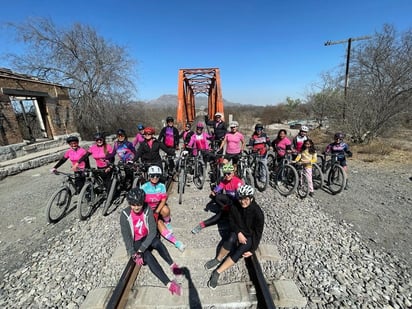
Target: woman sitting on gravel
[(139, 232)]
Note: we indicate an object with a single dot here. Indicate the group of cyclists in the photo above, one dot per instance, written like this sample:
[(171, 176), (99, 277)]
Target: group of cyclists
[(148, 216)]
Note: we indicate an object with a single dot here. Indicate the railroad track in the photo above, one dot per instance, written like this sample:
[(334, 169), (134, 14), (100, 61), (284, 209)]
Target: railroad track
[(119, 297)]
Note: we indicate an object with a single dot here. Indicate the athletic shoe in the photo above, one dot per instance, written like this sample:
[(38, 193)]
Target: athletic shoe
[(212, 264), (175, 288), (176, 270), (212, 283), (196, 229), (179, 245), (311, 194)]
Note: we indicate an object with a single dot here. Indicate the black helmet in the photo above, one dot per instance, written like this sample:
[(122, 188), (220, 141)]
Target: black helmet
[(169, 119), (140, 126), (136, 196), (72, 138), (121, 132), (98, 136), (339, 135), (259, 126)]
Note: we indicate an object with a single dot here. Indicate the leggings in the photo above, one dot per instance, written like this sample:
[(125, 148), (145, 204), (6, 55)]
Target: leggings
[(224, 202), (151, 261), (237, 249), (308, 172)]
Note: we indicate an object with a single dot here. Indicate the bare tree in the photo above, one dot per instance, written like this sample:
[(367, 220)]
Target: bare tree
[(380, 90), (98, 72)]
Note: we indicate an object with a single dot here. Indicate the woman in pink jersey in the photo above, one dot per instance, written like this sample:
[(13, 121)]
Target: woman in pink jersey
[(235, 144), (99, 151), (74, 154), (282, 145), (200, 142)]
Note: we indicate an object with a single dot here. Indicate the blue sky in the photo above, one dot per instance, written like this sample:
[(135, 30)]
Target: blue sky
[(266, 50)]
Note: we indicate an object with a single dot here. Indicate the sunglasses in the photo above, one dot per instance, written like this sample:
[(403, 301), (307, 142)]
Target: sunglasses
[(146, 134), (155, 176), (233, 127), (120, 135), (227, 174)]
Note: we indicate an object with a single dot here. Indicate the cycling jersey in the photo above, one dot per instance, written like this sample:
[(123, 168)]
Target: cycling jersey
[(281, 146), (234, 142), (99, 153), (259, 143), (199, 142), (298, 141), (154, 193), (230, 187), (124, 150), (74, 155), (138, 139), (338, 148), (169, 136)]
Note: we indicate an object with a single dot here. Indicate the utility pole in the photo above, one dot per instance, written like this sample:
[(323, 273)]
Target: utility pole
[(349, 41)]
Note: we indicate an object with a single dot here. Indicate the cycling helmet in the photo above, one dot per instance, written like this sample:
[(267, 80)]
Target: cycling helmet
[(72, 138), (234, 124), (228, 168), (149, 130), (218, 114), (246, 190), (304, 128), (259, 126), (169, 119), (188, 125), (136, 196), (140, 126), (200, 125), (98, 136), (339, 135), (121, 132), (154, 170)]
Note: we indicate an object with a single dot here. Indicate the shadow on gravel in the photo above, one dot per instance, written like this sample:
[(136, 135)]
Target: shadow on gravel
[(194, 299)]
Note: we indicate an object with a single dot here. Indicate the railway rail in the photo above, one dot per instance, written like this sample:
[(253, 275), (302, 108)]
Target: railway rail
[(119, 297)]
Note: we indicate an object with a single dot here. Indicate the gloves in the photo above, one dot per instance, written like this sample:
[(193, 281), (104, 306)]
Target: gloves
[(156, 216), (53, 170), (185, 152), (138, 258), (349, 154)]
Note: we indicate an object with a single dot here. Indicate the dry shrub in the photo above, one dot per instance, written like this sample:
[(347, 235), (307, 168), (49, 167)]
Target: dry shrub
[(376, 148)]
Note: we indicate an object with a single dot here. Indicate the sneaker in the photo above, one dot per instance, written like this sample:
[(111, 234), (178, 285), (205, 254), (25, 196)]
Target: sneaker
[(179, 245), (175, 288), (311, 194), (196, 229), (169, 227), (346, 186), (212, 264), (212, 283), (176, 270)]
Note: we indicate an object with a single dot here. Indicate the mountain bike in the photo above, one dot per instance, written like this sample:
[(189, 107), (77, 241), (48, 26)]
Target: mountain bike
[(244, 168), (282, 175), (336, 175), (181, 167), (258, 165), (139, 174), (92, 194), (198, 169), (215, 172), (303, 183), (117, 184), (317, 176), (60, 200)]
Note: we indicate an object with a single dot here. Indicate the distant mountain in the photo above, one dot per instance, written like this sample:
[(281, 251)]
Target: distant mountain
[(171, 100)]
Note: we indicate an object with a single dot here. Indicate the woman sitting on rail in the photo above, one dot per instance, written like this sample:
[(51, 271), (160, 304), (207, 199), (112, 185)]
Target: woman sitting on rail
[(139, 232)]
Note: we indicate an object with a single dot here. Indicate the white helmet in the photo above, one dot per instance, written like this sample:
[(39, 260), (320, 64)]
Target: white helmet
[(218, 114), (246, 190), (234, 124), (154, 170), (304, 128)]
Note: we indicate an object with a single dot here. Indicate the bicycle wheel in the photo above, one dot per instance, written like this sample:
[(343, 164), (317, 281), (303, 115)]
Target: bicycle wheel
[(182, 183), (248, 178), (286, 179), (199, 176), (110, 196), (336, 179), (260, 175), (317, 177), (303, 185), (58, 204), (86, 201)]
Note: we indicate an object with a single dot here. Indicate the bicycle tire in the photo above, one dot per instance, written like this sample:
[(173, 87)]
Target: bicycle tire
[(317, 177), (86, 201), (261, 182), (286, 180), (199, 176), (182, 184), (110, 196), (303, 185), (248, 179), (58, 203), (336, 179)]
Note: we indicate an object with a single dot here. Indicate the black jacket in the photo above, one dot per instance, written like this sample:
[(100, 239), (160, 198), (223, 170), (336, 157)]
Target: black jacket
[(152, 155), (249, 221)]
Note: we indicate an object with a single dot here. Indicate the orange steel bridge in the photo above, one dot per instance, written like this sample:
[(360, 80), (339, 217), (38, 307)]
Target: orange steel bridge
[(192, 82)]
